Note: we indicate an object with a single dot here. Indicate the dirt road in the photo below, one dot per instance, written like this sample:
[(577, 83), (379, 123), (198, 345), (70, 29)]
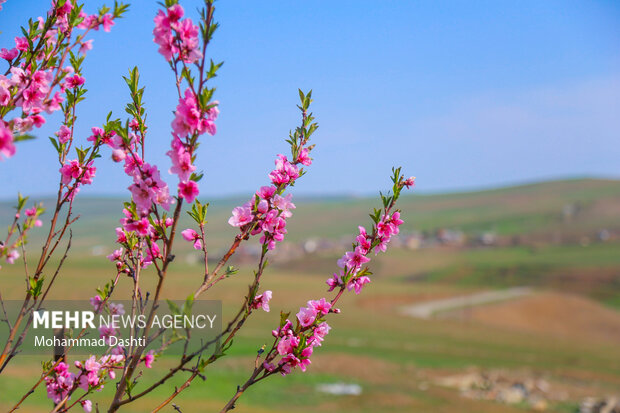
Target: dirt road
[(428, 309)]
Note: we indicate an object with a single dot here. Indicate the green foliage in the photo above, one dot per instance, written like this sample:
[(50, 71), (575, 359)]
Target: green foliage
[(36, 286), (199, 212)]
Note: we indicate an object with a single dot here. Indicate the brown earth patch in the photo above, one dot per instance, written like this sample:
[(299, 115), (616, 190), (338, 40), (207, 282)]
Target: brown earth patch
[(558, 314), (359, 367)]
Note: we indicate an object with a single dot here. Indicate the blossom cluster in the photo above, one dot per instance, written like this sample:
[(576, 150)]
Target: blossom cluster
[(296, 345), (262, 301), (37, 82), (91, 376), (267, 211), (177, 37), (189, 121), (136, 227), (142, 228), (74, 173), (265, 214), (352, 262), (30, 219)]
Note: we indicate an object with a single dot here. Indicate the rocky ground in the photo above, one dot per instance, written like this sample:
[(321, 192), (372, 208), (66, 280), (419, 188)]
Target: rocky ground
[(522, 388)]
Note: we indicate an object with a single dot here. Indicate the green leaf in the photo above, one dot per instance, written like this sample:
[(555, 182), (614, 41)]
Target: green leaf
[(24, 137), (174, 308)]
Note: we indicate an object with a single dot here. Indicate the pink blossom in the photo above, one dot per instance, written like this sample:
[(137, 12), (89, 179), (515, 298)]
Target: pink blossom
[(304, 157), (181, 161), (86, 46), (396, 222), (188, 190), (60, 383), (117, 309), (7, 148), (91, 365), (241, 216), (304, 361), (284, 172), (9, 54), (213, 111), (31, 96), (335, 281), (107, 21), (188, 33), (286, 368), (96, 302), (118, 155), (353, 259), (5, 95), (192, 236), (23, 124), (132, 163), (64, 134), (409, 182), (115, 255), (97, 134), (266, 192), (152, 252), (357, 283), (284, 204), (320, 332), (120, 235), (89, 21), (188, 117), (262, 300), (285, 330), (89, 173), (21, 43), (64, 9), (142, 195), (382, 245), (141, 227), (306, 316), (287, 345), (106, 332), (148, 359), (175, 12), (70, 170), (74, 81), (263, 206), (134, 125), (320, 306), (163, 34), (12, 256), (364, 243), (53, 104), (37, 120), (19, 77), (87, 405)]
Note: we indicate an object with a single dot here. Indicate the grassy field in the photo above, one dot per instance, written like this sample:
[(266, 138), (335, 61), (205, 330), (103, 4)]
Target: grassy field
[(567, 332)]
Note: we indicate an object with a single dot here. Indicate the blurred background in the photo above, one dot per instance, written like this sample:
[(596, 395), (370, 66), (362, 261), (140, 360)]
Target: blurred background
[(502, 292)]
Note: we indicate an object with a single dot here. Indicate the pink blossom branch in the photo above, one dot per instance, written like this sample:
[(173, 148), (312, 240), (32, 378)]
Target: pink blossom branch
[(311, 319)]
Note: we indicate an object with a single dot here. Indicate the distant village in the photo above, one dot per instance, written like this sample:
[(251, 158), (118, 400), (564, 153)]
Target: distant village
[(439, 238), (412, 240)]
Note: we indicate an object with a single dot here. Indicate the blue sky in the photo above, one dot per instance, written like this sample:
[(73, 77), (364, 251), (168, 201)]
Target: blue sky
[(462, 94)]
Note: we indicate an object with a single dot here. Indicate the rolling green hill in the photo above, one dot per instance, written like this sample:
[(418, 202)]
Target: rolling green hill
[(535, 210)]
